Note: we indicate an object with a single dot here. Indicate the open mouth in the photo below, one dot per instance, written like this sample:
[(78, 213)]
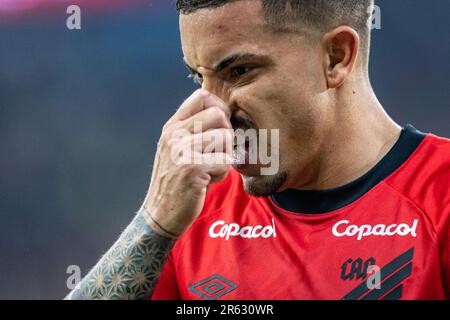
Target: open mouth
[(241, 153), (245, 141)]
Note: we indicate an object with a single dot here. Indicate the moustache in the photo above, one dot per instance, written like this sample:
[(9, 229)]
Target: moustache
[(242, 123)]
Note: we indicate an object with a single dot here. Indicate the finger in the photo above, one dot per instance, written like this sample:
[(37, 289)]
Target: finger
[(211, 118), (212, 141), (218, 141), (212, 100), (197, 102), (191, 106), (217, 172)]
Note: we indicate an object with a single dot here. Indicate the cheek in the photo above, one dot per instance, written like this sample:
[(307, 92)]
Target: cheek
[(282, 102), (292, 110), (305, 74), (265, 101)]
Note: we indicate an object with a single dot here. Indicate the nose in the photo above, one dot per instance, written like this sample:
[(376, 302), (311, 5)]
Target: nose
[(211, 85), (217, 89)]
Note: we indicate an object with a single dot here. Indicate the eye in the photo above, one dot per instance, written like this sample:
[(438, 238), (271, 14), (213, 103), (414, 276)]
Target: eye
[(196, 77), (240, 71)]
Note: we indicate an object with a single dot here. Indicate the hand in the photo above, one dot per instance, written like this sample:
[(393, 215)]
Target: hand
[(177, 190)]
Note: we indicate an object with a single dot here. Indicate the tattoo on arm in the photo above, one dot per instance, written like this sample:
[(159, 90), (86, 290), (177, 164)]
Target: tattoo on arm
[(130, 269)]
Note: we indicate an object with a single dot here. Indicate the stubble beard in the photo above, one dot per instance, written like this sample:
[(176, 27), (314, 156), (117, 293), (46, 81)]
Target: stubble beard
[(264, 186)]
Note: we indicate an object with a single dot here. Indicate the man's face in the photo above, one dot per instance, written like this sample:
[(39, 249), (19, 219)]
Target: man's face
[(273, 81)]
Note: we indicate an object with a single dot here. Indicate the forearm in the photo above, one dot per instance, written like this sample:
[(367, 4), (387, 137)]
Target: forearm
[(130, 269)]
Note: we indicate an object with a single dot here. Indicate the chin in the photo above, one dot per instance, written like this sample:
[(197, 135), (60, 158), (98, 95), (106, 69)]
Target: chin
[(264, 186)]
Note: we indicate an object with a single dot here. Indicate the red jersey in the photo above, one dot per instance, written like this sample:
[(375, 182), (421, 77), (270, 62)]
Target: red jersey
[(383, 236)]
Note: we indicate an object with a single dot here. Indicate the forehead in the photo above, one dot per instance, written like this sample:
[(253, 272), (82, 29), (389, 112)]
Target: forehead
[(210, 34)]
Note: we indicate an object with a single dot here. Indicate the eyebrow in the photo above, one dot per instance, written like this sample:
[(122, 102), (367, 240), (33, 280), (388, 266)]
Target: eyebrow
[(234, 58)]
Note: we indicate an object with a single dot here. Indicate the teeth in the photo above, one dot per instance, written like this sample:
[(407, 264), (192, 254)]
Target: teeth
[(239, 154)]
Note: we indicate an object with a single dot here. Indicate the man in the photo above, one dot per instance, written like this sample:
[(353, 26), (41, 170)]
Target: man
[(358, 208)]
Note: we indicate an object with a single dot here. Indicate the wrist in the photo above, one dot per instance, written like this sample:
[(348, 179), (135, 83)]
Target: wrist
[(156, 226)]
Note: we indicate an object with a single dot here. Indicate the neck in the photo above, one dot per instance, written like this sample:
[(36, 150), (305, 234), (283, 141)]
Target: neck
[(359, 135)]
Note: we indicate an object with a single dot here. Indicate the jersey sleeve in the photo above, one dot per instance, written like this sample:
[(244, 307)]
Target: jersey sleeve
[(427, 184), (437, 202), (435, 199), (445, 249), (167, 287)]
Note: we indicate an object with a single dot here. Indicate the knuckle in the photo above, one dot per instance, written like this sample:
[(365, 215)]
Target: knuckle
[(222, 168), (228, 134), (220, 116), (188, 169), (172, 143), (165, 127), (166, 142), (192, 125), (162, 141)]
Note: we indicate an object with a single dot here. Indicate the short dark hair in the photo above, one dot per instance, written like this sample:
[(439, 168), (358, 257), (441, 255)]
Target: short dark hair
[(323, 15)]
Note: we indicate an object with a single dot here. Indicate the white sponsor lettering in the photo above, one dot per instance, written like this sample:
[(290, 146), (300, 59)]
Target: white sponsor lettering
[(220, 229), (342, 229)]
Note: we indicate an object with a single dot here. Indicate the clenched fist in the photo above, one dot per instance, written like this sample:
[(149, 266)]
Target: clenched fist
[(202, 130)]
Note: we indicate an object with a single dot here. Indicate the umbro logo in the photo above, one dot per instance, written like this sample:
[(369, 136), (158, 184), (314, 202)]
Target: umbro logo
[(213, 287)]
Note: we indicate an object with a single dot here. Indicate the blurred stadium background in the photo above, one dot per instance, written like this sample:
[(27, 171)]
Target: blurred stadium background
[(81, 111)]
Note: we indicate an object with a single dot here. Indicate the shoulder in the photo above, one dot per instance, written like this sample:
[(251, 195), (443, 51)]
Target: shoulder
[(429, 164), (425, 177), (435, 152)]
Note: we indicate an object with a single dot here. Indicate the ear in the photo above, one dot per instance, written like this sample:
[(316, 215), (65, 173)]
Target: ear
[(341, 49)]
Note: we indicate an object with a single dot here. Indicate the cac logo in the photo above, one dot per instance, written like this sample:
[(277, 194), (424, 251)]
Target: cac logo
[(356, 269)]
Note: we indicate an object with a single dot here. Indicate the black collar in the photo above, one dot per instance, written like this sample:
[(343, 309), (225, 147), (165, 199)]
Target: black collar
[(310, 202)]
